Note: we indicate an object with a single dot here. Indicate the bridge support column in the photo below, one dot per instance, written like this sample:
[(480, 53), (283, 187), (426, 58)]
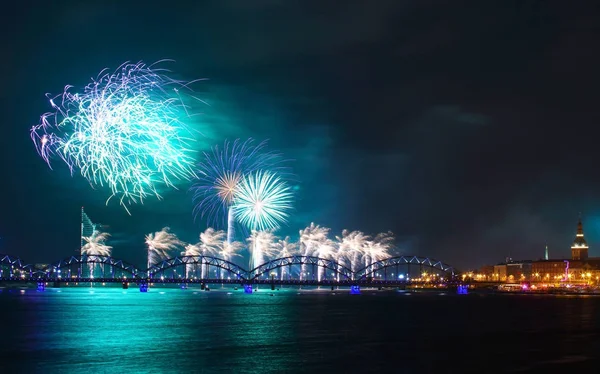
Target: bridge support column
[(247, 288), (462, 289), (143, 286), (41, 286), (125, 285), (355, 289)]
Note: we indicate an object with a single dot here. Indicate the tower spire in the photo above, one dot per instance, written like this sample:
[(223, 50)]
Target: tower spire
[(579, 227), (546, 253), (579, 249)]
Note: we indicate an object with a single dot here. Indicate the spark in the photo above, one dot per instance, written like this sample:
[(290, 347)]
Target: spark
[(285, 248), (124, 131), (161, 244), (263, 201), (261, 245), (220, 173), (352, 245), (95, 245)]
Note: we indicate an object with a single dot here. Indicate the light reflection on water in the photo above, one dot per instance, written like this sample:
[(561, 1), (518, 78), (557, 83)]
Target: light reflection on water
[(83, 330)]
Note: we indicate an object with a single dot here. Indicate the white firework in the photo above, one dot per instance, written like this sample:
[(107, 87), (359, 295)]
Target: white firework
[(161, 245), (262, 201)]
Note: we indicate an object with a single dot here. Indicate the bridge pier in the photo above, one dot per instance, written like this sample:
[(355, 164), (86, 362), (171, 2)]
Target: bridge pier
[(41, 286), (125, 285), (143, 286), (355, 289), (247, 288)]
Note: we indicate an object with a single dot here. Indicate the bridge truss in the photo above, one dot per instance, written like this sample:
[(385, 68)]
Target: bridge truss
[(311, 268), (91, 266), (405, 266), (197, 267), (207, 269)]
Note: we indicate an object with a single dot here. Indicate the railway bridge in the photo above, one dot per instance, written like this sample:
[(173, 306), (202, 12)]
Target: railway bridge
[(297, 270)]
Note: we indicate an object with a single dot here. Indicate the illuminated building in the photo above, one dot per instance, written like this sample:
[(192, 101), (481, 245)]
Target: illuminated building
[(580, 268), (579, 249), (549, 270), (500, 272)]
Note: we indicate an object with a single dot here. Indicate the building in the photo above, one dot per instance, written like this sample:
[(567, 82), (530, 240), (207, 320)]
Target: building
[(512, 271), (579, 268), (500, 272), (549, 270), (579, 249), (518, 270)]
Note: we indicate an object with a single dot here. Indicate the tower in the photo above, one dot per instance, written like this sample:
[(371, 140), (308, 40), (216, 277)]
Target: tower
[(546, 253), (87, 228), (579, 249)]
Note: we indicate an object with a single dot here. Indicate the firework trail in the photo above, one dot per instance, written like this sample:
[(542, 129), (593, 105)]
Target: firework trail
[(228, 250), (285, 248), (190, 250), (95, 245), (311, 238), (351, 248), (219, 175), (263, 201), (161, 244), (378, 248), (261, 246), (326, 250), (212, 243), (124, 131)]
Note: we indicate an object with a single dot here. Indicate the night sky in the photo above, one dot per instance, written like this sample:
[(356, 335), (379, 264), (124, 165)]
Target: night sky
[(468, 128)]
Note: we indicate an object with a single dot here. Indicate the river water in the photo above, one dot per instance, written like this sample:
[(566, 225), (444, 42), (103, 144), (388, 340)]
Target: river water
[(110, 330)]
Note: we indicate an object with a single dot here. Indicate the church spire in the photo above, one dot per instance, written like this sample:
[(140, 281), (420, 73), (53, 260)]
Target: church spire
[(579, 249), (580, 227)]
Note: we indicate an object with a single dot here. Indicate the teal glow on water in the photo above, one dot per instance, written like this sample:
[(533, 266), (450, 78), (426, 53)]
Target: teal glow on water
[(110, 330)]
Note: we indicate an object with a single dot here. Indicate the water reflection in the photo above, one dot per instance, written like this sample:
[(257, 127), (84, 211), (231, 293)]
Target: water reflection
[(168, 330)]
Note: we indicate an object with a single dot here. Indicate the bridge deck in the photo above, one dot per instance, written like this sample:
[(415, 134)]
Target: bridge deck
[(276, 282)]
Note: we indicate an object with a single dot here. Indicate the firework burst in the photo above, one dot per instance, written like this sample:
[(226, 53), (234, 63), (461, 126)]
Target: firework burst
[(263, 201), (124, 131), (95, 245), (161, 244), (220, 174)]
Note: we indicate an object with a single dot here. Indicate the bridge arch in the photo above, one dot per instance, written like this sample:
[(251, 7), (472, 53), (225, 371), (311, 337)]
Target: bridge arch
[(11, 266), (376, 268), (91, 266), (190, 264), (342, 272)]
